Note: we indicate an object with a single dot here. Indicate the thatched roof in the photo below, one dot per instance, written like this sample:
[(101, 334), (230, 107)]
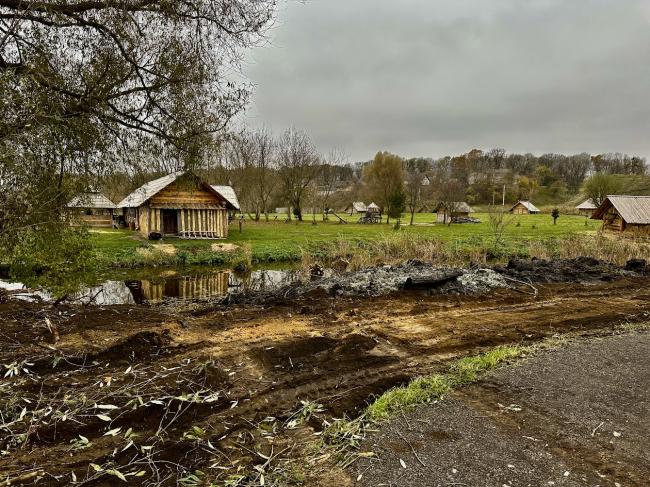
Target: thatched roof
[(228, 194), (372, 207), (587, 205), (633, 209), (92, 199), (529, 206)]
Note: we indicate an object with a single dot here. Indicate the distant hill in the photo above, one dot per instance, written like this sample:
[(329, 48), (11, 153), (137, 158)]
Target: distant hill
[(635, 185)]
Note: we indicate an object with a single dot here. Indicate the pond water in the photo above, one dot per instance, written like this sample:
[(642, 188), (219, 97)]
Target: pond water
[(155, 286)]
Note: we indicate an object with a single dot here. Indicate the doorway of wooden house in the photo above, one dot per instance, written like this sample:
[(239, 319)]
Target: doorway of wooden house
[(170, 222)]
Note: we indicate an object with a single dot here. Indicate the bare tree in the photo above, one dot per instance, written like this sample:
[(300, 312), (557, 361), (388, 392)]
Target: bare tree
[(298, 167), (413, 189), (329, 178), (499, 221), (451, 195), (264, 176)]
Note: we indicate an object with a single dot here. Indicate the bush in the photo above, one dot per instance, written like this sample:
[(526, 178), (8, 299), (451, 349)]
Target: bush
[(56, 257)]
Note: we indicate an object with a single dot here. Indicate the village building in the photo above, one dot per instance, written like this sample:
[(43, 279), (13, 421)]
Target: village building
[(446, 212), (358, 207), (92, 209), (524, 208), (587, 208), (373, 208), (231, 197), (630, 214), (178, 204)]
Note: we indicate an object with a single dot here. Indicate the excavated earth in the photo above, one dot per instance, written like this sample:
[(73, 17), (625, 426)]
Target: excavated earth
[(154, 394)]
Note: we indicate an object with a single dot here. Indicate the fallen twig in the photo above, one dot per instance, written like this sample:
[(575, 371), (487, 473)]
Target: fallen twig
[(535, 291)]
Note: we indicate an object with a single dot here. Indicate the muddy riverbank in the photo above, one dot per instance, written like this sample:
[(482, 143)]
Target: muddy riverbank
[(230, 389)]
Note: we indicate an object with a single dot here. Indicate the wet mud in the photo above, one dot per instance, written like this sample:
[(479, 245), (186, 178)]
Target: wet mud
[(235, 375)]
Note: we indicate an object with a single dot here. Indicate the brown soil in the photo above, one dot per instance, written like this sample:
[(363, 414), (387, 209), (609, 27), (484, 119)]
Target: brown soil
[(240, 372), (574, 416)]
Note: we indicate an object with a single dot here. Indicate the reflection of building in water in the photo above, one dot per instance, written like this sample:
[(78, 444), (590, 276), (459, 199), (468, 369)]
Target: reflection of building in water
[(187, 287), (262, 280)]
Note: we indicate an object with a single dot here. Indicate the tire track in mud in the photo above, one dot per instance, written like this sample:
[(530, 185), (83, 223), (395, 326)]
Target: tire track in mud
[(336, 352)]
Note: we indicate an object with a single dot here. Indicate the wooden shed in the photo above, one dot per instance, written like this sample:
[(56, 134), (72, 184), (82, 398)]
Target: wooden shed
[(630, 214), (587, 207), (373, 208), (524, 208), (357, 207), (455, 210), (92, 209), (177, 204)]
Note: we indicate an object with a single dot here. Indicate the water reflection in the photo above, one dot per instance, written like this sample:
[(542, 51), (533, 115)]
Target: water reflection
[(206, 285), (156, 288)]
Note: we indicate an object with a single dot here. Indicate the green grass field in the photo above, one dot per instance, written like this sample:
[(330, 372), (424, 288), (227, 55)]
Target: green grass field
[(277, 241)]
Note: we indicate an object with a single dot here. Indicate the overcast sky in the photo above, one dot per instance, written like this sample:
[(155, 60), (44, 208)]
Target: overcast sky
[(431, 77)]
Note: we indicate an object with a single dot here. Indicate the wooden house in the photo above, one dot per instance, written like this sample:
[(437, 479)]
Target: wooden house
[(358, 207), (459, 209), (178, 204), (373, 208), (586, 208), (630, 214), (231, 197), (92, 209), (524, 208)]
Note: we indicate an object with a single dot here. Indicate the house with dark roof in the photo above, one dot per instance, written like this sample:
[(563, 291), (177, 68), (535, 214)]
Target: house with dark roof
[(92, 209), (179, 204), (630, 214)]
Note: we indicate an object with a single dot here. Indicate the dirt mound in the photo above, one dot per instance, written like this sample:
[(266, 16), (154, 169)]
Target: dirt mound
[(384, 280), (581, 269)]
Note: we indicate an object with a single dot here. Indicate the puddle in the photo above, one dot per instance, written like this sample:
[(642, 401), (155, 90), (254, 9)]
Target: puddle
[(195, 284)]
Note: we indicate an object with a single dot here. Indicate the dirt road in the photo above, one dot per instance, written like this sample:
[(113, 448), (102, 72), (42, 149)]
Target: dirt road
[(235, 375), (574, 416)]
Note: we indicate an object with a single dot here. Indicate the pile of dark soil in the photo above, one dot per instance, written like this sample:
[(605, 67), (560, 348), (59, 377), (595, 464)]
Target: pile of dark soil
[(581, 269), (414, 274)]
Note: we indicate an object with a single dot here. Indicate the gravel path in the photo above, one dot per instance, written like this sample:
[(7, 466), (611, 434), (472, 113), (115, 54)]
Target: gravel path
[(574, 416)]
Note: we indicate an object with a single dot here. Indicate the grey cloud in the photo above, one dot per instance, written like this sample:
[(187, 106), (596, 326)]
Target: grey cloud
[(430, 77)]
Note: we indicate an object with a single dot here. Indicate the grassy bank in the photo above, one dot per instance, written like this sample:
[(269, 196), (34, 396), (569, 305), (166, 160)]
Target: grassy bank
[(277, 241), (364, 245)]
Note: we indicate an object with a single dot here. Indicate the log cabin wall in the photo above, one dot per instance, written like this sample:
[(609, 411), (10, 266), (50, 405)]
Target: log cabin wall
[(520, 210), (613, 221), (196, 213), (638, 230)]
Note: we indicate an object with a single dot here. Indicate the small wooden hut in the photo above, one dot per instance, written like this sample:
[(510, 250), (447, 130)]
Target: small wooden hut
[(373, 208), (630, 214), (587, 208), (457, 209), (92, 209), (177, 204), (356, 207), (524, 208)]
